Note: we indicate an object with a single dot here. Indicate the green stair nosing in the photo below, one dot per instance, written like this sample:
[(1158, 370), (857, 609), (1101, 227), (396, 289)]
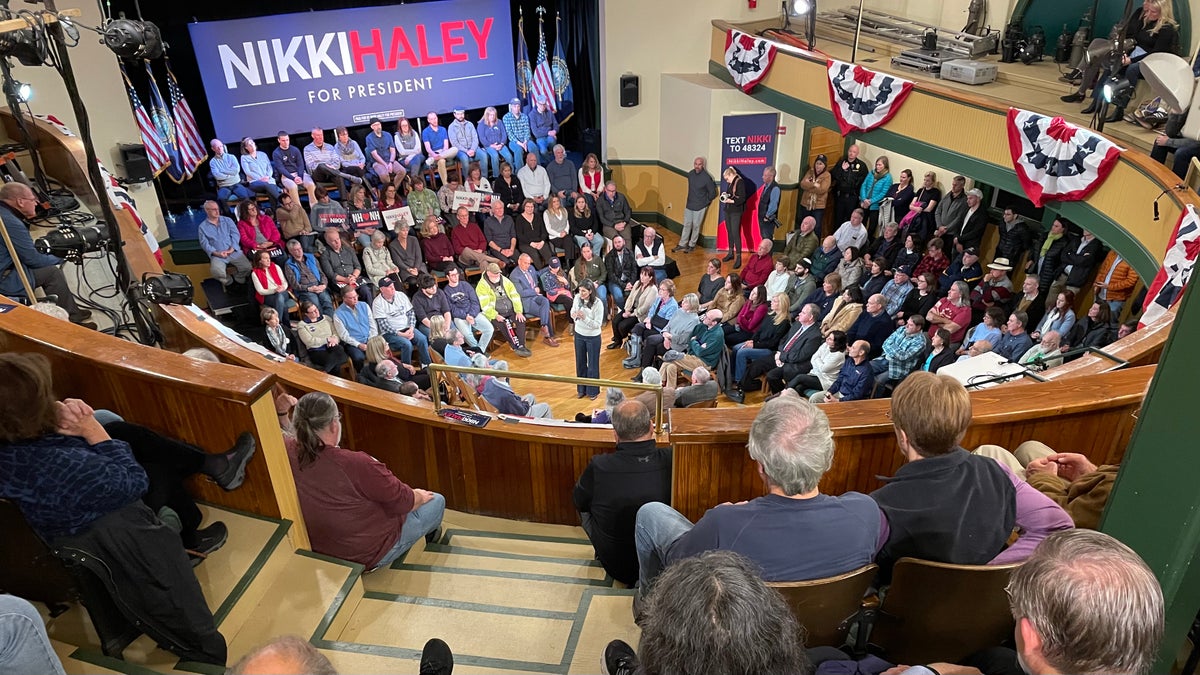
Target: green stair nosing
[(251, 574), (119, 665), (470, 606), (248, 514), (513, 535), (441, 569), (500, 665), (585, 603), (335, 605), (483, 553)]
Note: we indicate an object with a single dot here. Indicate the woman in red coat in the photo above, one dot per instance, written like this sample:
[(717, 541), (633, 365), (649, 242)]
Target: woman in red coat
[(258, 231)]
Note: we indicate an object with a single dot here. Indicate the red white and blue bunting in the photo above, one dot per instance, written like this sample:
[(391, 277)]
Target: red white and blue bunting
[(863, 99), (748, 58), (1176, 270), (1056, 160)]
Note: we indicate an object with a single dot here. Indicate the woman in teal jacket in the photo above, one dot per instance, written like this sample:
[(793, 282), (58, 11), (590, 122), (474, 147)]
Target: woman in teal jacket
[(873, 190)]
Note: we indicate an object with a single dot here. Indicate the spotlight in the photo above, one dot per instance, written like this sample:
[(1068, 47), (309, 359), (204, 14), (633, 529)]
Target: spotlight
[(801, 7), (130, 39), (71, 243), (22, 91), (23, 45), (167, 288), (1114, 87)]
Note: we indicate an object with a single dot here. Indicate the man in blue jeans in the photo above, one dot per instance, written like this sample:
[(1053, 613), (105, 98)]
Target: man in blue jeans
[(24, 645), (397, 323), (793, 533)]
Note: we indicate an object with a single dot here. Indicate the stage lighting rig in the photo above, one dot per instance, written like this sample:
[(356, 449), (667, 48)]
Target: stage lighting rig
[(71, 243), (131, 39)]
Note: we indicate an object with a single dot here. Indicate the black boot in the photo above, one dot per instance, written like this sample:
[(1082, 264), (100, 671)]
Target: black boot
[(1118, 112), (1091, 107)]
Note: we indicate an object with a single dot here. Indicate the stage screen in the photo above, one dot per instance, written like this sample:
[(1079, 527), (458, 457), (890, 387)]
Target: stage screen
[(343, 67)]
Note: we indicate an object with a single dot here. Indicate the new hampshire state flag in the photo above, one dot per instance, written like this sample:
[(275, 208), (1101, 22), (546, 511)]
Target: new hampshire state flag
[(562, 76)]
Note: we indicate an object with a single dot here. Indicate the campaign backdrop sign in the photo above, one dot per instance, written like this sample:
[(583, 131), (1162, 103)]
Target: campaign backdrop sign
[(343, 67), (748, 145)]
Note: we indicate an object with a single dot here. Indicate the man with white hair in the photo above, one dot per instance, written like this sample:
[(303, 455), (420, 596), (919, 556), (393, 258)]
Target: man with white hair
[(651, 375), (1045, 354), (704, 348), (564, 179), (615, 215), (227, 173), (651, 252), (703, 388), (219, 239), (793, 533)]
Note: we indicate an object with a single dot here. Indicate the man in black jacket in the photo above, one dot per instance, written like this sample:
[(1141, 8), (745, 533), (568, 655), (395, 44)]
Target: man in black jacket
[(1015, 238), (1045, 259), (973, 224), (1075, 266), (622, 270), (615, 485), (793, 358), (848, 176)]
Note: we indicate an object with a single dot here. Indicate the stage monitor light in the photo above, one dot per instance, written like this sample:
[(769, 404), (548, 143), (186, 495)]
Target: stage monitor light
[(1171, 78), (1114, 87), (131, 39)]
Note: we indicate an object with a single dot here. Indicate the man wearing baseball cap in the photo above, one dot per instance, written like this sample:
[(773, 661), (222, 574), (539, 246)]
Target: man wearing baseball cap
[(517, 127), (543, 125), (964, 268)]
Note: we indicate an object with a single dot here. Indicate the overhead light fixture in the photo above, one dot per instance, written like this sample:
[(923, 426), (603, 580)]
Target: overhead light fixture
[(131, 39)]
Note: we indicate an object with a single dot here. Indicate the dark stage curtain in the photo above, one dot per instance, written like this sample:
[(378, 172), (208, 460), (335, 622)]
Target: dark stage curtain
[(580, 25)]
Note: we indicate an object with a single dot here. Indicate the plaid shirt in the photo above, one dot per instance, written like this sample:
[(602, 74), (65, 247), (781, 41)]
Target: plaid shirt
[(903, 352), (517, 127)]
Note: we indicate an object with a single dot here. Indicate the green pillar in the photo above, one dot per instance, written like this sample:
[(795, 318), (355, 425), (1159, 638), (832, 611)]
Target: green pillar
[(1156, 500)]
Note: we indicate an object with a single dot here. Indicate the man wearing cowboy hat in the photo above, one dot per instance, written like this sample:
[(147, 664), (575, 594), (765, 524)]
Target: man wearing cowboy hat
[(995, 289)]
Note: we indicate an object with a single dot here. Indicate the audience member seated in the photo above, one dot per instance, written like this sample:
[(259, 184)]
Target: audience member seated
[(652, 375), (591, 179), (793, 533), (825, 366), (662, 309), (583, 225), (354, 507), (1059, 318), (24, 646), (556, 284), (436, 142), (280, 338), (531, 236), (360, 200), (704, 348), (287, 655), (436, 246), (758, 267), (398, 323), (1015, 339), (97, 489), (752, 314), (408, 149), (445, 197), (320, 337), (377, 259), (989, 329), (218, 238), (1069, 478), (377, 353), (1094, 330), (995, 289), (978, 502), (423, 201), (516, 126), (470, 245), (499, 393), (535, 182), (288, 163), (622, 272), (934, 259), (1031, 301), (324, 212), (341, 266), (873, 325), (794, 356), (260, 174), (355, 325), (557, 221), (800, 285), (854, 381), (803, 243), (920, 299), (270, 284), (428, 303), (825, 259), (564, 179), (952, 312), (508, 190), (615, 485), (730, 298), (886, 247), (493, 143), (852, 232), (227, 173), (590, 267), (966, 268), (407, 257), (1127, 328), (851, 267), (1045, 354), (465, 311), (909, 254), (845, 311), (874, 278), (381, 151), (501, 235), (293, 223), (501, 304), (615, 215), (533, 302), (703, 388), (306, 278), (712, 614), (977, 348), (324, 163), (938, 353), (651, 252), (764, 340), (353, 163), (256, 231), (903, 352), (543, 126)]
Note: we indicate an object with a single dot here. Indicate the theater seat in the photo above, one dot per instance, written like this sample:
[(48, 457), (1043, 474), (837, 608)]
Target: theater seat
[(826, 607), (941, 612)]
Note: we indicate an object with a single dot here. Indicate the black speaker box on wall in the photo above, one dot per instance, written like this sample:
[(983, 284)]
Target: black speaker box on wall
[(136, 163), (629, 90)]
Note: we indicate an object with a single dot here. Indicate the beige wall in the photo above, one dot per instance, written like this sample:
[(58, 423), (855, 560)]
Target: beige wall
[(951, 14), (103, 94), (898, 162), (651, 38)]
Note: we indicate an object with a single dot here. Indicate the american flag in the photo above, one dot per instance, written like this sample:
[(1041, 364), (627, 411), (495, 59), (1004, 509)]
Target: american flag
[(155, 151), (543, 79), (191, 147)]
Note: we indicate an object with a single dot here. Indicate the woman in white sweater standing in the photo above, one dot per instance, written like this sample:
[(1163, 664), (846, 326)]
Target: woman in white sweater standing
[(588, 313)]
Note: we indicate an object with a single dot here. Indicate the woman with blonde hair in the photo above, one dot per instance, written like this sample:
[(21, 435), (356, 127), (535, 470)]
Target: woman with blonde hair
[(734, 199), (493, 142), (437, 247), (591, 178), (377, 259)]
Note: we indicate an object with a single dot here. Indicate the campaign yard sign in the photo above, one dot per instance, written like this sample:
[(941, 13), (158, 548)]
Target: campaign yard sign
[(293, 72)]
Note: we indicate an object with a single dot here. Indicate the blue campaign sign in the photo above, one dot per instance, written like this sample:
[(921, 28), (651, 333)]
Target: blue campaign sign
[(324, 69), (748, 145)]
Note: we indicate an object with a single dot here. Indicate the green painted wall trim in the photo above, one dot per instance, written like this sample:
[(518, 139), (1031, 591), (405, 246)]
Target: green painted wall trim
[(1143, 261)]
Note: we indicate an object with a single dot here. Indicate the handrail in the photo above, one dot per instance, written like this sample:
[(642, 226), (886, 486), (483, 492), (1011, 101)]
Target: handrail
[(543, 377)]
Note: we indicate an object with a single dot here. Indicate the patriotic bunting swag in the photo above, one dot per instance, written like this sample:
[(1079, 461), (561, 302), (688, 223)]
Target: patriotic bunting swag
[(748, 58), (862, 99), (1055, 160), (1167, 288)]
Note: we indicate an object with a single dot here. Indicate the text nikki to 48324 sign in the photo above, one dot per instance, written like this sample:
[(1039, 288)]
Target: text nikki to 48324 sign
[(323, 69)]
